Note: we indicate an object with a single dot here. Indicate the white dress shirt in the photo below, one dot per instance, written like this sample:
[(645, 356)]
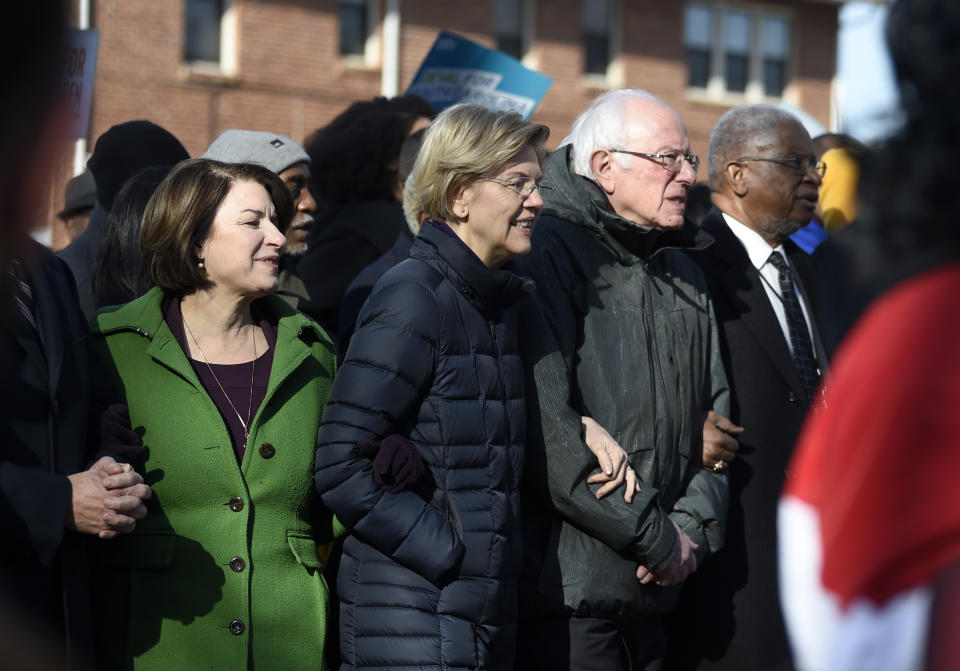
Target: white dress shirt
[(759, 252)]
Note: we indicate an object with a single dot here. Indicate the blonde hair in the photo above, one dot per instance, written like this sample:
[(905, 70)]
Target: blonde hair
[(464, 142), (411, 208)]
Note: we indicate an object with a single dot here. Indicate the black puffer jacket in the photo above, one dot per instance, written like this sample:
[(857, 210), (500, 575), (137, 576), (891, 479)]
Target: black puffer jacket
[(428, 578)]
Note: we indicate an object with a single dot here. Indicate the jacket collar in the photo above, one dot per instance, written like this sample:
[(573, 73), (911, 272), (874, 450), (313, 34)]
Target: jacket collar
[(144, 316), (488, 290), (582, 202)]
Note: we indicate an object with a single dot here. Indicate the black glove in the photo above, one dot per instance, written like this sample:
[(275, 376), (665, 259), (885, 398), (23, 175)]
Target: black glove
[(116, 436), (396, 462)]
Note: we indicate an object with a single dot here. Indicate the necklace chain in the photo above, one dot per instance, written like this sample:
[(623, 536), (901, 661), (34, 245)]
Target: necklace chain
[(253, 367)]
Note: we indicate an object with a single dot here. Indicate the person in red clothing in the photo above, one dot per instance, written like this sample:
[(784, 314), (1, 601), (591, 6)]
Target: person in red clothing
[(871, 515), (869, 519)]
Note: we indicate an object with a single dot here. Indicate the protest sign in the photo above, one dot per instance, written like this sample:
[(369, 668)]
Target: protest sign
[(78, 78), (458, 70)]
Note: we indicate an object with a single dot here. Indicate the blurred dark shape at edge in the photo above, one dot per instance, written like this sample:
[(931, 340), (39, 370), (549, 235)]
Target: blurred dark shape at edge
[(908, 188)]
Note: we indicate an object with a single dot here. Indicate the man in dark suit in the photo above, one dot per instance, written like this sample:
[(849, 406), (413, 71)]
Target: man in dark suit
[(764, 177), (50, 500)]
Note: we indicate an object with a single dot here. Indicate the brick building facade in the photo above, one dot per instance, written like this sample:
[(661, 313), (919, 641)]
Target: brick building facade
[(289, 66)]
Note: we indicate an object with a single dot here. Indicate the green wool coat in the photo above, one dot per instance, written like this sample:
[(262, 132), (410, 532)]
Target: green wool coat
[(224, 572)]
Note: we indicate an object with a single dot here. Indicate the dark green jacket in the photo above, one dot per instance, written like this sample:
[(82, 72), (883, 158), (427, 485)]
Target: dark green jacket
[(175, 584), (624, 333)]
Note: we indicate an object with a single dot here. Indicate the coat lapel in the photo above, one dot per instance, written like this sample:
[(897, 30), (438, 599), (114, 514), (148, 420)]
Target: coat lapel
[(743, 286), (166, 351)]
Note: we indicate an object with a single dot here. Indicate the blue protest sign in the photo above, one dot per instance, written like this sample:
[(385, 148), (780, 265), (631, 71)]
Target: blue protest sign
[(458, 70)]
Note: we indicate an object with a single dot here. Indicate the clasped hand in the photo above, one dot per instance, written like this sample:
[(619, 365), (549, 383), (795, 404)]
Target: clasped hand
[(108, 499), (683, 562), (614, 463), (720, 443)]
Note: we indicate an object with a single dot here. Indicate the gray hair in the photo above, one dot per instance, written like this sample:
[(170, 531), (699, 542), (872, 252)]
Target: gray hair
[(601, 126), (740, 131)]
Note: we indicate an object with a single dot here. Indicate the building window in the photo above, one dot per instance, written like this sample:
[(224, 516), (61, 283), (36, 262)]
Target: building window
[(775, 43), (597, 49), (698, 31), (511, 19), (737, 52), (203, 30), (359, 43), (208, 36), (354, 27)]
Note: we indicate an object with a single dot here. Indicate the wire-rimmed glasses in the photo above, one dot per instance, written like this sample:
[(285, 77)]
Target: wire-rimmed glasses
[(672, 161)]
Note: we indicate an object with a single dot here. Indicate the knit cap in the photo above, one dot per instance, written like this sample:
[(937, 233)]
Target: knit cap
[(274, 152), (126, 149)]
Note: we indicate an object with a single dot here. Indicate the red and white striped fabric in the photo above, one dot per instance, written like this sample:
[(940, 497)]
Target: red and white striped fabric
[(870, 515)]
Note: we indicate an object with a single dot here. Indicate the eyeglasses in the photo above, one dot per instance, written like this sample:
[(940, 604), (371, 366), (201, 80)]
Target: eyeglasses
[(522, 187), (799, 165), (672, 161)]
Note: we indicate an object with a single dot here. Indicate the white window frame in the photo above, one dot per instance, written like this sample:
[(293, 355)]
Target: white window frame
[(613, 77), (716, 89), (371, 46), (227, 66)]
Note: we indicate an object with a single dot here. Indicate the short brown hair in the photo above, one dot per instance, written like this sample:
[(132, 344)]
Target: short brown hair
[(180, 214), (464, 142)]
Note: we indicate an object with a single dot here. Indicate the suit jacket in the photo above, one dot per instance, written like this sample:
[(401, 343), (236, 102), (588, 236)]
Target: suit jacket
[(732, 601), (43, 415)]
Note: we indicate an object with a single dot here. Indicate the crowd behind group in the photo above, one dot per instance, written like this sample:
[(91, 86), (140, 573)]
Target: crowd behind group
[(419, 394)]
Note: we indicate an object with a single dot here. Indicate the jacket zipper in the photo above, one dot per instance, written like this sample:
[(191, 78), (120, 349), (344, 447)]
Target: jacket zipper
[(503, 399), (656, 368)]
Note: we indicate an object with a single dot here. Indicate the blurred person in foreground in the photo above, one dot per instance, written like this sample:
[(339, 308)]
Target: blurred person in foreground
[(225, 382), (52, 500), (290, 162), (624, 335), (870, 517), (355, 161), (433, 378), (764, 176)]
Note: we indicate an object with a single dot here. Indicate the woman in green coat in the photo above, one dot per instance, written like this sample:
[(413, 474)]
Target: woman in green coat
[(225, 383)]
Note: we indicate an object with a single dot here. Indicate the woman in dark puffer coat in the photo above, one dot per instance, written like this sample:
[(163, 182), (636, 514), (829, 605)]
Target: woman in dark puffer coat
[(428, 578)]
